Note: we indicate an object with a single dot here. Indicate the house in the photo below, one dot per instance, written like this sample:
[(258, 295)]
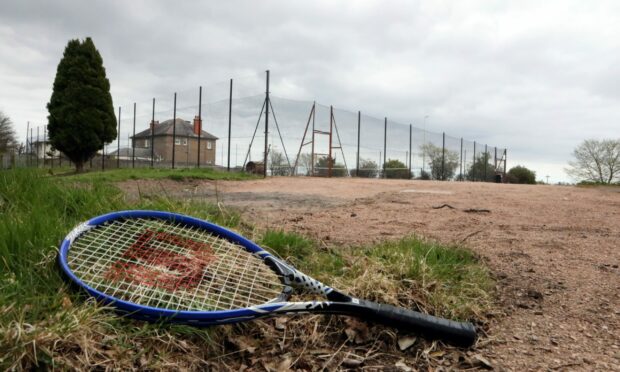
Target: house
[(186, 141), (42, 148)]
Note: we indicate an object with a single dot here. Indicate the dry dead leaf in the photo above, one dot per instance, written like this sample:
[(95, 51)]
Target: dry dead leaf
[(405, 342), (402, 366), (480, 361), (281, 323)]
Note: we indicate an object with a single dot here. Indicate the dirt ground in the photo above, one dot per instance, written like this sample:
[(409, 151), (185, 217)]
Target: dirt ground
[(554, 250)]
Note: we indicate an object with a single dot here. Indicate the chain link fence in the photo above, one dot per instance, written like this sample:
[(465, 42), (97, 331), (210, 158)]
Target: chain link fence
[(232, 124)]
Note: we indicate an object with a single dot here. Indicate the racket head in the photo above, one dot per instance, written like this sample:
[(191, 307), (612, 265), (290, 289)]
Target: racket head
[(98, 287)]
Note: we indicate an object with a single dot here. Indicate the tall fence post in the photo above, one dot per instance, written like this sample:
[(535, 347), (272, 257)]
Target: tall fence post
[(230, 121), (330, 161), (312, 147), (461, 178), (118, 142), (28, 143), (443, 156), (44, 144), (359, 128), (174, 128), (199, 124), (38, 141), (505, 161), (153, 135), (133, 139), (384, 147), (486, 162), (473, 167), (410, 144), (30, 152), (266, 124)]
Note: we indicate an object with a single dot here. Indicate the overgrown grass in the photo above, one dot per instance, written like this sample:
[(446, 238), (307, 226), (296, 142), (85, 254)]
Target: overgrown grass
[(44, 323), (123, 174), (36, 212), (446, 281)]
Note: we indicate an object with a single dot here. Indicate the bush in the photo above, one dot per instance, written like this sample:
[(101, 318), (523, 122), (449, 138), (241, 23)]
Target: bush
[(396, 169), (520, 174), (368, 169)]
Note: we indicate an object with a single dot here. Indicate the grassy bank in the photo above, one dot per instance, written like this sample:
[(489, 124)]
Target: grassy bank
[(123, 174), (44, 323)]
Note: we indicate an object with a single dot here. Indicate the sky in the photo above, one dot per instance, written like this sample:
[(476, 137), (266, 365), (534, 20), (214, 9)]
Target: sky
[(535, 77)]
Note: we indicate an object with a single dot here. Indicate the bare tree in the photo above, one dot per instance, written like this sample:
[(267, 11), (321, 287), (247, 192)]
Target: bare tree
[(305, 162), (7, 134), (278, 164), (443, 163), (596, 161)]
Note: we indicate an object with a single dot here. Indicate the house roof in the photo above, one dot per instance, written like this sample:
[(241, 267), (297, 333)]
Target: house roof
[(184, 128)]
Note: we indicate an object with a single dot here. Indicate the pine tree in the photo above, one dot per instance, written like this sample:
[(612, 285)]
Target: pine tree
[(81, 116)]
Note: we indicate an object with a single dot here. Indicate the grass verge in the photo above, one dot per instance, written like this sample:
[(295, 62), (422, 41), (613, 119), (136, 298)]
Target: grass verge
[(123, 174), (45, 324)]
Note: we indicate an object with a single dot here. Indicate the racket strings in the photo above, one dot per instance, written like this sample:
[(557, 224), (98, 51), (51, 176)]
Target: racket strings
[(169, 265)]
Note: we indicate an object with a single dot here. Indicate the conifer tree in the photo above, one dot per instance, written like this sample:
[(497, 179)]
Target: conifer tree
[(81, 115)]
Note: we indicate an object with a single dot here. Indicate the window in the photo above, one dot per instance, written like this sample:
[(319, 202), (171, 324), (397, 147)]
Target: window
[(209, 145), (180, 141), (147, 143)]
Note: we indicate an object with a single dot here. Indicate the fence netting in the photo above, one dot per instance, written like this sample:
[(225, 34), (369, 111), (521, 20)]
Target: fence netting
[(223, 125)]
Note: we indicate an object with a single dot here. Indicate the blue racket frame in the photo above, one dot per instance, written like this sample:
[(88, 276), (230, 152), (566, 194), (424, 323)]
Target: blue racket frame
[(188, 317)]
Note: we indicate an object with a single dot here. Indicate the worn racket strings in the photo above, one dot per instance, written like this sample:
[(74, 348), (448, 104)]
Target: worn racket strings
[(164, 264)]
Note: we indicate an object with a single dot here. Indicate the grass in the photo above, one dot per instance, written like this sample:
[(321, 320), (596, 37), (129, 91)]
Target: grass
[(44, 323), (123, 174), (412, 272)]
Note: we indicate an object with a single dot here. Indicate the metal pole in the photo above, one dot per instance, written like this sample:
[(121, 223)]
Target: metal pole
[(443, 156), (30, 153), (410, 144), (312, 150), (118, 142), (174, 128), (505, 160), (266, 124), (473, 167), (38, 141), (44, 144), (329, 157), (153, 134), (199, 124), (230, 121), (359, 126), (486, 162), (495, 159), (384, 147), (28, 143), (102, 158), (461, 161), (133, 139)]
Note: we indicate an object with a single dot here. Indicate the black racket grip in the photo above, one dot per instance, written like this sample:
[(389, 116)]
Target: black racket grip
[(459, 333)]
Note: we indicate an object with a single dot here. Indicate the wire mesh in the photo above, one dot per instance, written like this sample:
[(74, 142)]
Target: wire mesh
[(303, 138)]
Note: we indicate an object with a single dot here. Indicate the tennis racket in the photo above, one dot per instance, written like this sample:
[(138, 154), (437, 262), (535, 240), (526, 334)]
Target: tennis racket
[(156, 265)]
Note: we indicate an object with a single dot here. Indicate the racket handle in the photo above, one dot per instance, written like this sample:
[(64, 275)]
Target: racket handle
[(460, 333)]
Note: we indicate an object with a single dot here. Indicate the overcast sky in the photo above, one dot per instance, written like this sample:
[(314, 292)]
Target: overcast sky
[(536, 77)]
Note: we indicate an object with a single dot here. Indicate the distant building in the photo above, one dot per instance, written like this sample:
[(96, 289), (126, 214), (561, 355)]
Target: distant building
[(42, 148), (186, 147)]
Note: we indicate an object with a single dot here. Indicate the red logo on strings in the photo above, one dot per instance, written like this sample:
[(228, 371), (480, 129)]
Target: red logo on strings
[(150, 263)]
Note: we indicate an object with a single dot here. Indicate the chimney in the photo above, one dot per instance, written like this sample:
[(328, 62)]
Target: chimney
[(154, 123), (197, 125)]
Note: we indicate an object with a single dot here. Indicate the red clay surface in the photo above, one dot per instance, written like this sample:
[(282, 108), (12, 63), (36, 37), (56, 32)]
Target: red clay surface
[(554, 250)]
